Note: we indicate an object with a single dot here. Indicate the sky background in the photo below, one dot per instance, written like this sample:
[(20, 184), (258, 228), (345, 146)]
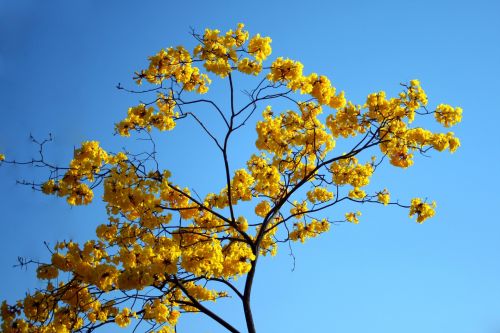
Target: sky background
[(60, 62)]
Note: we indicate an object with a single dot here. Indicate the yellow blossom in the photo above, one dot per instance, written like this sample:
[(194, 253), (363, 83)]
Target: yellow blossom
[(123, 319), (448, 115), (422, 210), (353, 217), (357, 193), (303, 231), (259, 47), (384, 197)]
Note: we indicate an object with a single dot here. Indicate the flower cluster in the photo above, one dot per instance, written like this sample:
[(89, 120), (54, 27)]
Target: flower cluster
[(422, 209), (219, 52), (303, 231), (448, 115), (175, 64), (294, 140), (349, 171), (146, 117), (384, 197), (353, 217), (289, 72), (86, 164), (319, 194)]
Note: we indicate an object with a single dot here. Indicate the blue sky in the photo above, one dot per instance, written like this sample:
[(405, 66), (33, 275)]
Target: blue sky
[(60, 63)]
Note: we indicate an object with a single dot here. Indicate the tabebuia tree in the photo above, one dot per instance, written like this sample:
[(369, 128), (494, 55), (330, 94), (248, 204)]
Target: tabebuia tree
[(166, 251)]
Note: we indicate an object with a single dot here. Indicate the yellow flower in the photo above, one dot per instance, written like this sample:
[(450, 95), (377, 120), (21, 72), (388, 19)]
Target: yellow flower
[(448, 115), (421, 209), (262, 208), (303, 231), (49, 187), (319, 194), (260, 47), (47, 272), (357, 193), (123, 319), (299, 209), (384, 197), (286, 70), (248, 66), (353, 217), (349, 171), (453, 142)]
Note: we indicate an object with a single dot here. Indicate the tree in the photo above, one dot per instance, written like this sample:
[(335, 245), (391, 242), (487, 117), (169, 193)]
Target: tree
[(165, 250)]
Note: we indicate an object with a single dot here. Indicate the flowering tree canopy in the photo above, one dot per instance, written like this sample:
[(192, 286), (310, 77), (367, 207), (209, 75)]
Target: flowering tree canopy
[(166, 251)]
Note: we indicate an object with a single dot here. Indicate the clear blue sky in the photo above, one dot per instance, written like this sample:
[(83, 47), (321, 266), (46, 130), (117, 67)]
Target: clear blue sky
[(60, 62)]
